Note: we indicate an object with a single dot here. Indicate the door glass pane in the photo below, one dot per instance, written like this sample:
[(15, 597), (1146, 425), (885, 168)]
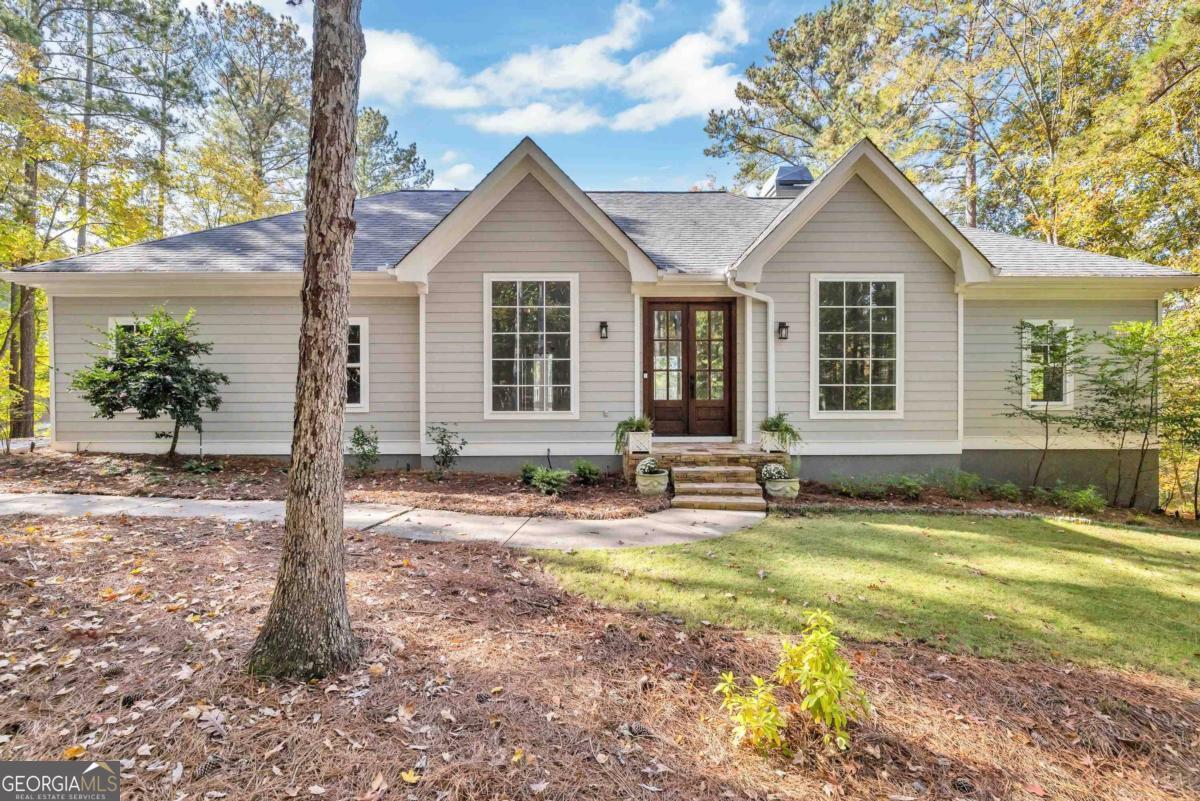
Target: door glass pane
[(717, 387), (702, 385), (667, 379)]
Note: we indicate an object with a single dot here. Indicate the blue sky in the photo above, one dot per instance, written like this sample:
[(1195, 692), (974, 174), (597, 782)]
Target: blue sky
[(615, 91)]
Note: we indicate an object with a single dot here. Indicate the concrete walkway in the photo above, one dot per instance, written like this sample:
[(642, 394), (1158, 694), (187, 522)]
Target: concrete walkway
[(669, 527)]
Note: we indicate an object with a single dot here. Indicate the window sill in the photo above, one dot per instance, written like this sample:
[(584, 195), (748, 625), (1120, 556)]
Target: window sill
[(489, 415), (357, 409), (1063, 406), (897, 415)]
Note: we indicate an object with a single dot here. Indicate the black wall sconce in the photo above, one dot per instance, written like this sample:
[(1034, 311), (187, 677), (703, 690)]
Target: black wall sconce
[(781, 331), (604, 330)]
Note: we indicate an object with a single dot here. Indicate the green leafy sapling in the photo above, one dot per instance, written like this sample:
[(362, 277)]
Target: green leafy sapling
[(152, 366)]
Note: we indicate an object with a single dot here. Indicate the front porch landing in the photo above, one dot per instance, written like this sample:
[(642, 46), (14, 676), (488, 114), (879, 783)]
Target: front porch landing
[(711, 475)]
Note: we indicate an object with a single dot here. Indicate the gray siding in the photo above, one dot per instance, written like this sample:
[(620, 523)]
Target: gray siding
[(254, 343), (856, 232), (990, 349), (529, 231)]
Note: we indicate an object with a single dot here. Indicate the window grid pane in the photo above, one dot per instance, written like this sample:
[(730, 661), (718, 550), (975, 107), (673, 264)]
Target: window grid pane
[(354, 364), (531, 346), (857, 345)]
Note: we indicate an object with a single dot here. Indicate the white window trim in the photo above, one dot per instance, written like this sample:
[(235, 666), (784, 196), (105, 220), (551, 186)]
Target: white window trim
[(1068, 401), (814, 400), (576, 367), (364, 364)]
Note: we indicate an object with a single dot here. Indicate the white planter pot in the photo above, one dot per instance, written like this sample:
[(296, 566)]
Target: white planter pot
[(770, 443), (639, 441), (652, 483), (783, 487)]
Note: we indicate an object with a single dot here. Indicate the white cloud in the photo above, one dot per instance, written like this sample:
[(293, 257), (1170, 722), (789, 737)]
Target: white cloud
[(457, 176), (450, 156), (584, 65), (538, 118), (683, 80), (546, 90), (398, 67)]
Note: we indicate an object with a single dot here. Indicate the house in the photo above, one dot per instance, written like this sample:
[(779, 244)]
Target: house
[(531, 316)]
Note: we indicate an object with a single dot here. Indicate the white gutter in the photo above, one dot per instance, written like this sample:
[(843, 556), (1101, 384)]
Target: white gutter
[(751, 295)]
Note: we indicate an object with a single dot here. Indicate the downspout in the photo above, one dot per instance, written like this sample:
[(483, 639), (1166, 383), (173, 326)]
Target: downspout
[(749, 379)]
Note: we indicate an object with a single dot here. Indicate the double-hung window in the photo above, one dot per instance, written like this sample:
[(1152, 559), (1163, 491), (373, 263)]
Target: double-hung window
[(857, 346), (357, 374), (1048, 379), (531, 345)]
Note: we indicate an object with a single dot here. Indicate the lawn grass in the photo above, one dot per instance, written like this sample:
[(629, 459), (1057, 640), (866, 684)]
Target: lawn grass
[(1025, 588)]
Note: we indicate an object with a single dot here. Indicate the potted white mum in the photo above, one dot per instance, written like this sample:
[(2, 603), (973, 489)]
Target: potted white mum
[(779, 482), (651, 479)]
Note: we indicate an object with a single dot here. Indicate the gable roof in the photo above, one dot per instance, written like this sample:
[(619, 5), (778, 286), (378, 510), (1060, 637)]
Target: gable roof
[(866, 161), (686, 233), (525, 160)]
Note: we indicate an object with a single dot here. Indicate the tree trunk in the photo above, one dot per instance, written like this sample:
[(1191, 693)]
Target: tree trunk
[(27, 331), (160, 210), (1196, 493), (174, 442), (307, 632), (89, 79)]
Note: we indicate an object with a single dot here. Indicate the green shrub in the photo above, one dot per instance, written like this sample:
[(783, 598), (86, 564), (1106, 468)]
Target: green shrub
[(527, 471), (449, 445), (906, 486), (958, 484), (1086, 501), (201, 467), (587, 473), (364, 446), (757, 718), (824, 678), (1041, 495), (1007, 491), (550, 482), (869, 488)]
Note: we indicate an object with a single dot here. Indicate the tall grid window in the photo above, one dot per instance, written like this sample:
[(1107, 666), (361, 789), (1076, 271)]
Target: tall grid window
[(1047, 346), (858, 345), (531, 366), (356, 363)]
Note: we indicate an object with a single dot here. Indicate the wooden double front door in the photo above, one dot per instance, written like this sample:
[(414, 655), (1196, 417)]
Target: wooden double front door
[(688, 367)]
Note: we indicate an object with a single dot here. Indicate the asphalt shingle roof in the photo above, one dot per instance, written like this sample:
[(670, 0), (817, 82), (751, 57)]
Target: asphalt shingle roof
[(700, 233), (1014, 256)]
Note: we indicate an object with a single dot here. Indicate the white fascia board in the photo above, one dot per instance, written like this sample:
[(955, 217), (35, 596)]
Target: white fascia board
[(867, 162), (526, 159)]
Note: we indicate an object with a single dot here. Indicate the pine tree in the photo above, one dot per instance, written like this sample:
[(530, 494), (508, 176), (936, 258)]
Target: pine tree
[(383, 164)]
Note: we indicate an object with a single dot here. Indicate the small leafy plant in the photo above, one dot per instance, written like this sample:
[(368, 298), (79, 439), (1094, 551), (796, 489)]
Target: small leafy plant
[(784, 431), (549, 482), (818, 672), (527, 471), (864, 487), (364, 447), (649, 467), (1086, 501), (757, 718), (1007, 491), (908, 487), (773, 471), (824, 678), (959, 484), (200, 467), (449, 445), (625, 427), (587, 473)]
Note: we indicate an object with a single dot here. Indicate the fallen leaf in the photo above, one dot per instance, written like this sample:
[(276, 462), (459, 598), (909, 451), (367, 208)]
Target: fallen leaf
[(316, 789), (74, 752), (410, 777)]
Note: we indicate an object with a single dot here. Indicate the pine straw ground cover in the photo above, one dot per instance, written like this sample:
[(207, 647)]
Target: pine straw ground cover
[(245, 478), (481, 679)]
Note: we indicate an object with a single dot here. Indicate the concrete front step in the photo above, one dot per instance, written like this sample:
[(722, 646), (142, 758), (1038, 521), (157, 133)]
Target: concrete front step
[(748, 488), (713, 474), (741, 503)]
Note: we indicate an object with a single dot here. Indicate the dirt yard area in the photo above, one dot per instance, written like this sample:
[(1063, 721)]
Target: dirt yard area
[(247, 478), (481, 679)]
